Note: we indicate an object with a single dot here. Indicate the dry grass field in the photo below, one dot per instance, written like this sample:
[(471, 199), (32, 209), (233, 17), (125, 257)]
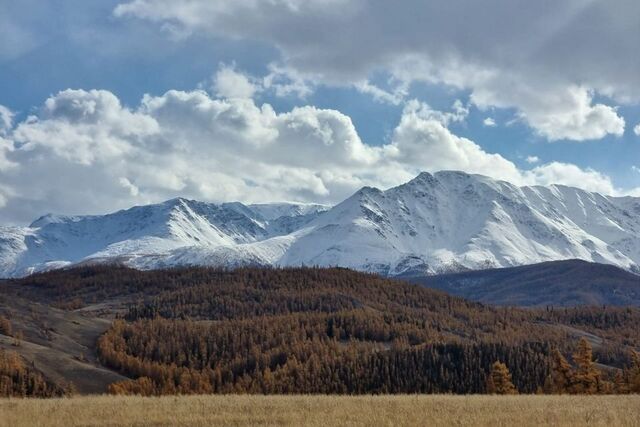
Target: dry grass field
[(244, 410)]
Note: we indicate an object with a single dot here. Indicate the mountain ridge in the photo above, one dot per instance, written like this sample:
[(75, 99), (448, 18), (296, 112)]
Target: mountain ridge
[(435, 223), (566, 283)]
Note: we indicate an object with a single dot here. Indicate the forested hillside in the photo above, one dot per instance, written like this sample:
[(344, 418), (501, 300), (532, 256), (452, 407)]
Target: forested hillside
[(310, 330)]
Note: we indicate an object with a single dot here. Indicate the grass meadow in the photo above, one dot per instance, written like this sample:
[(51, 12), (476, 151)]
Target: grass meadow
[(389, 410)]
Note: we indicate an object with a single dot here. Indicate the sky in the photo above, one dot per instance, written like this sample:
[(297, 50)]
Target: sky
[(114, 103)]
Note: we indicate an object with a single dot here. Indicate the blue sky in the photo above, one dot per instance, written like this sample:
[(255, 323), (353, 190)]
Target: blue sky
[(417, 81)]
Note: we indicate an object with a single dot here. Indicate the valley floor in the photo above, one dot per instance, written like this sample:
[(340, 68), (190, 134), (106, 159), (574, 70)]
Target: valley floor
[(388, 410)]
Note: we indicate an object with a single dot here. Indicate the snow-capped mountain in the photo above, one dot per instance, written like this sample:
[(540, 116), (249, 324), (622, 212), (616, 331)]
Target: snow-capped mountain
[(441, 222), (171, 233)]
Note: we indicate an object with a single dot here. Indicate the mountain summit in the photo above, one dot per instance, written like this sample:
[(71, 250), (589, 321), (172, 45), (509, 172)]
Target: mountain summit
[(447, 221)]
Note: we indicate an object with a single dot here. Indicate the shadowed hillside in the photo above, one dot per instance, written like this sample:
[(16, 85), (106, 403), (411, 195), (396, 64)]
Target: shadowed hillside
[(558, 283)]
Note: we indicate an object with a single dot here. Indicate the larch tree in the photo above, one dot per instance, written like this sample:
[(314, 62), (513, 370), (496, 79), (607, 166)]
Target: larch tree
[(562, 376), (587, 376), (499, 380)]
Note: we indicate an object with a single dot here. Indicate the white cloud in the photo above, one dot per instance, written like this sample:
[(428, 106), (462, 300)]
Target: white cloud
[(568, 113), (422, 141), (6, 147), (285, 82), (126, 184), (84, 152), (636, 129), (571, 175), (395, 97), (83, 127), (229, 83), (547, 62), (489, 122), (532, 159)]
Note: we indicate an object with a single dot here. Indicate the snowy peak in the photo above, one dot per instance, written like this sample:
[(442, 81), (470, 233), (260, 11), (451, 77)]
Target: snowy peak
[(144, 232), (453, 221), (446, 221)]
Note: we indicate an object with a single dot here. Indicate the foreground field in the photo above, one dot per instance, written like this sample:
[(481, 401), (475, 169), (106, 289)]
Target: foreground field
[(245, 410)]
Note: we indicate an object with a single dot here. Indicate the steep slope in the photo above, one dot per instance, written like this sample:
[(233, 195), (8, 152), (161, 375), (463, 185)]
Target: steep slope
[(556, 283), (445, 222), (455, 221)]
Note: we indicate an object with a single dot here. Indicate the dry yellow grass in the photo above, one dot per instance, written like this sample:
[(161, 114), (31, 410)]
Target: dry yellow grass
[(324, 411)]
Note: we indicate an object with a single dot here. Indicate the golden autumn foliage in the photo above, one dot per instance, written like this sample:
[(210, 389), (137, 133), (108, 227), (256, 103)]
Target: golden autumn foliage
[(338, 331), (17, 379), (312, 330), (499, 380), (586, 378)]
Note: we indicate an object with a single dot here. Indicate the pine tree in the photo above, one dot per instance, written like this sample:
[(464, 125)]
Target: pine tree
[(499, 380)]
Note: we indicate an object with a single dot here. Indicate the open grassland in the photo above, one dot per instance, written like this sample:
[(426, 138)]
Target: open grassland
[(246, 410)]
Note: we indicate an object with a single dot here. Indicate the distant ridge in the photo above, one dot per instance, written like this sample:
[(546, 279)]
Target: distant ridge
[(556, 283)]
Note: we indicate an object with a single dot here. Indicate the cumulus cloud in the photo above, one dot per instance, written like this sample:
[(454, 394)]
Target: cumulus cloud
[(83, 127), (422, 141), (636, 129), (229, 83), (547, 62), (564, 113), (85, 152), (571, 175)]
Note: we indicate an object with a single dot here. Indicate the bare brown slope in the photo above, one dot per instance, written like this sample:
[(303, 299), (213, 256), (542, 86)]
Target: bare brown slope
[(60, 344)]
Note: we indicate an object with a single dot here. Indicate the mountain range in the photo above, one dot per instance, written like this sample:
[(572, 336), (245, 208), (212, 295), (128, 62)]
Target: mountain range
[(436, 223)]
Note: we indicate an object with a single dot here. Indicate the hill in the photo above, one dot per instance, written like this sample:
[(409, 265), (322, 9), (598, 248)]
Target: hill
[(305, 330), (557, 283)]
